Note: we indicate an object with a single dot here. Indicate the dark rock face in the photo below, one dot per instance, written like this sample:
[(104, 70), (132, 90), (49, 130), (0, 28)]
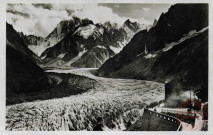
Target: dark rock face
[(132, 25), (179, 20), (145, 57), (88, 43), (23, 75), (190, 68)]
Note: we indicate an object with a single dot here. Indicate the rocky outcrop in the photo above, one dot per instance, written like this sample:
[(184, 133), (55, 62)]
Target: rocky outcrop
[(134, 26)]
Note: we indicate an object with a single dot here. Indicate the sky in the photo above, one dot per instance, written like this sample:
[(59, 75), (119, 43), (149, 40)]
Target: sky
[(41, 19), (146, 11)]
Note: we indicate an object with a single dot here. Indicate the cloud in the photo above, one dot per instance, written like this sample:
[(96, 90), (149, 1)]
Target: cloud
[(30, 19), (99, 14), (146, 9), (41, 19)]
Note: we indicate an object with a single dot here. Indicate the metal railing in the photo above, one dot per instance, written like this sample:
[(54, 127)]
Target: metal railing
[(166, 117)]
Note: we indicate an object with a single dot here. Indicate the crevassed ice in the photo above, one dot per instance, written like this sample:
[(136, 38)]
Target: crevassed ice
[(121, 99)]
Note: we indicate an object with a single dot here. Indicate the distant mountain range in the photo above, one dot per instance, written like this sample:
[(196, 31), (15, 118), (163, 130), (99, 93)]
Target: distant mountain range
[(81, 43), (174, 51)]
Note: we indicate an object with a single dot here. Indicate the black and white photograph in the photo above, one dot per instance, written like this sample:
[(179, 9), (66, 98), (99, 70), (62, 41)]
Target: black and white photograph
[(107, 67)]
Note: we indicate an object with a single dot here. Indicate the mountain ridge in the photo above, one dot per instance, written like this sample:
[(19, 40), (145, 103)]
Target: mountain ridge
[(82, 45)]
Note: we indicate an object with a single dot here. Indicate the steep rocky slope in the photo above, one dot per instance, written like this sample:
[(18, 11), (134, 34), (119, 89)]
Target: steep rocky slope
[(22, 73), (176, 48)]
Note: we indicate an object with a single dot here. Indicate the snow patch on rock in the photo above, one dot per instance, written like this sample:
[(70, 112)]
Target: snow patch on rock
[(191, 34), (86, 31), (139, 54), (102, 47), (148, 56), (115, 49), (44, 56), (61, 55)]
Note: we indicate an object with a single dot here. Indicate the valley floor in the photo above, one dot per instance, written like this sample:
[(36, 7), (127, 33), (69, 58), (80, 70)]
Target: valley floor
[(112, 103)]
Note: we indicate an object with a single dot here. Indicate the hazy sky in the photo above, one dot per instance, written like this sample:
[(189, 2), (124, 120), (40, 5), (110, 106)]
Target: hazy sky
[(41, 19)]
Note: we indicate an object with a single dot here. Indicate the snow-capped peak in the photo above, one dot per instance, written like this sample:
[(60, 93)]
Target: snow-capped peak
[(86, 31)]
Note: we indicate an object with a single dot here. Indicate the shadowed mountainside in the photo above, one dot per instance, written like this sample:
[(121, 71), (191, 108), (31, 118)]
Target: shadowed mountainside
[(23, 75), (176, 48)]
